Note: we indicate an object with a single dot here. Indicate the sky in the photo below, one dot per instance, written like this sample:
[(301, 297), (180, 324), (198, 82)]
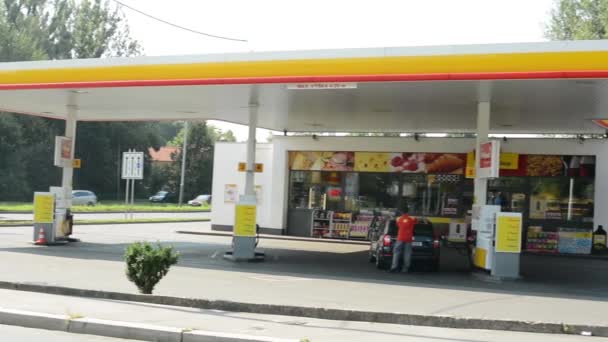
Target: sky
[(271, 25)]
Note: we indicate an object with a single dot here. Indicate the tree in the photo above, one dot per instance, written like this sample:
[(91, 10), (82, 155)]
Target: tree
[(199, 164), (60, 29), (578, 19)]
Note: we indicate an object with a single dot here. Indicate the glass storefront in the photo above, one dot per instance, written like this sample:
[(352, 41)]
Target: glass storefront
[(555, 194)]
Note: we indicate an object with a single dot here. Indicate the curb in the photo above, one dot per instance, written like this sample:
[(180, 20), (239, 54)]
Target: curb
[(118, 329), (321, 313), (279, 237), (111, 223)]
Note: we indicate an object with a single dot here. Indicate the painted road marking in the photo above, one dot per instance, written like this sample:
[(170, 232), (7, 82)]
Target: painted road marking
[(279, 278)]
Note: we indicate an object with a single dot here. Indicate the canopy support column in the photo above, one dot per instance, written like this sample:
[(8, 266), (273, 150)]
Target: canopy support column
[(244, 239), (70, 133), (483, 130)]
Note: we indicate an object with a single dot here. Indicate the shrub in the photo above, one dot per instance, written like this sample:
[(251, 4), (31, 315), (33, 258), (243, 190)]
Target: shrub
[(147, 264)]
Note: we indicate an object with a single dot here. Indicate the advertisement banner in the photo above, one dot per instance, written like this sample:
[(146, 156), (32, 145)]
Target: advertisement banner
[(489, 159), (431, 163), (231, 192), (63, 152), (245, 220), (509, 161), (321, 161), (508, 232)]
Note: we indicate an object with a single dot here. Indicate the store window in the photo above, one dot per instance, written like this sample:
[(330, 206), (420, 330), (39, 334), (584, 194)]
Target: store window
[(317, 190), (433, 195), (378, 190), (567, 199)]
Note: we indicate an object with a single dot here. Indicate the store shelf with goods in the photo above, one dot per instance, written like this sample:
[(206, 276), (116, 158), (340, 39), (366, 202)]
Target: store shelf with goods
[(321, 223), (540, 241), (340, 230), (340, 224), (359, 229)]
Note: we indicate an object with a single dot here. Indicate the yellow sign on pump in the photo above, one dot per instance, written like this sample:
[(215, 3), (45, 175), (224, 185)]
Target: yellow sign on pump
[(44, 207), (245, 220), (508, 232)]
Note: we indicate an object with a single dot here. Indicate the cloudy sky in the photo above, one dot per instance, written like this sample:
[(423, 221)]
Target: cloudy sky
[(328, 24)]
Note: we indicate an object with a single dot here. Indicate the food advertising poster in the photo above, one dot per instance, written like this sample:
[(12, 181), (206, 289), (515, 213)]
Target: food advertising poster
[(231, 192), (63, 152), (432, 163), (489, 159), (554, 166), (321, 161)]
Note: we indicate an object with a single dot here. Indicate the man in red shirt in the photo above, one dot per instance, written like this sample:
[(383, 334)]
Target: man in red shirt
[(403, 245)]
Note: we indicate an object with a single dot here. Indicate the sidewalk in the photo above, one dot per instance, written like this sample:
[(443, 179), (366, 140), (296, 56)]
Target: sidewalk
[(298, 328)]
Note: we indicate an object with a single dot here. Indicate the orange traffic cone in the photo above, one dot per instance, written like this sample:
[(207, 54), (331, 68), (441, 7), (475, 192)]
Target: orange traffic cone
[(41, 237)]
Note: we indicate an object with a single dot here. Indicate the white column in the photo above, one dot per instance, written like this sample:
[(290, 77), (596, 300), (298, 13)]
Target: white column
[(483, 130), (68, 171), (253, 121)]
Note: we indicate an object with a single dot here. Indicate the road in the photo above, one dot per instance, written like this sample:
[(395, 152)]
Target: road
[(114, 216), (314, 274), (19, 334)]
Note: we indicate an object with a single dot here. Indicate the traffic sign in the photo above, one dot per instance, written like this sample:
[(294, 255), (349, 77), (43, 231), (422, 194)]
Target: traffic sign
[(132, 165)]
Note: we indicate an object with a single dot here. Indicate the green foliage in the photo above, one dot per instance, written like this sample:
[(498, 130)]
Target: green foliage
[(578, 20), (199, 164), (63, 29), (147, 264)]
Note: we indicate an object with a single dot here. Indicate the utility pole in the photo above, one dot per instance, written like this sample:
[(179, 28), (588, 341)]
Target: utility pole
[(184, 151)]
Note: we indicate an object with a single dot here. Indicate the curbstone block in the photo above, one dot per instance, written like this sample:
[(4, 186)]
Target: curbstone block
[(35, 320), (209, 336), (125, 330)]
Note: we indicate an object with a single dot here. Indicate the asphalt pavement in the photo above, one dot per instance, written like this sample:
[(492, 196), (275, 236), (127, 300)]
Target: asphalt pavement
[(19, 334), (311, 274), (297, 328)]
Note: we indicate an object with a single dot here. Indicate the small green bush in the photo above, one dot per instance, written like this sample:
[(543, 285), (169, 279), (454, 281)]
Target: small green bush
[(147, 264)]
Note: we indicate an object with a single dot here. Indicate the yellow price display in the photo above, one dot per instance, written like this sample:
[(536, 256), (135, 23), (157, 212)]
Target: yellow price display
[(44, 207), (245, 220), (508, 233)]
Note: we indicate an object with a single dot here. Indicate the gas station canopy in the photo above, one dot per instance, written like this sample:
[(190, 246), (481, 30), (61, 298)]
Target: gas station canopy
[(551, 87)]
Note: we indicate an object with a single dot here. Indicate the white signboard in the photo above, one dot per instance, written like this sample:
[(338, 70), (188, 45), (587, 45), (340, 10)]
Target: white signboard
[(322, 85), (489, 159), (132, 165), (63, 152)]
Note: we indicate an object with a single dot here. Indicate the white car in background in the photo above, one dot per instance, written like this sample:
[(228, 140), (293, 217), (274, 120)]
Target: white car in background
[(84, 197), (200, 200)]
